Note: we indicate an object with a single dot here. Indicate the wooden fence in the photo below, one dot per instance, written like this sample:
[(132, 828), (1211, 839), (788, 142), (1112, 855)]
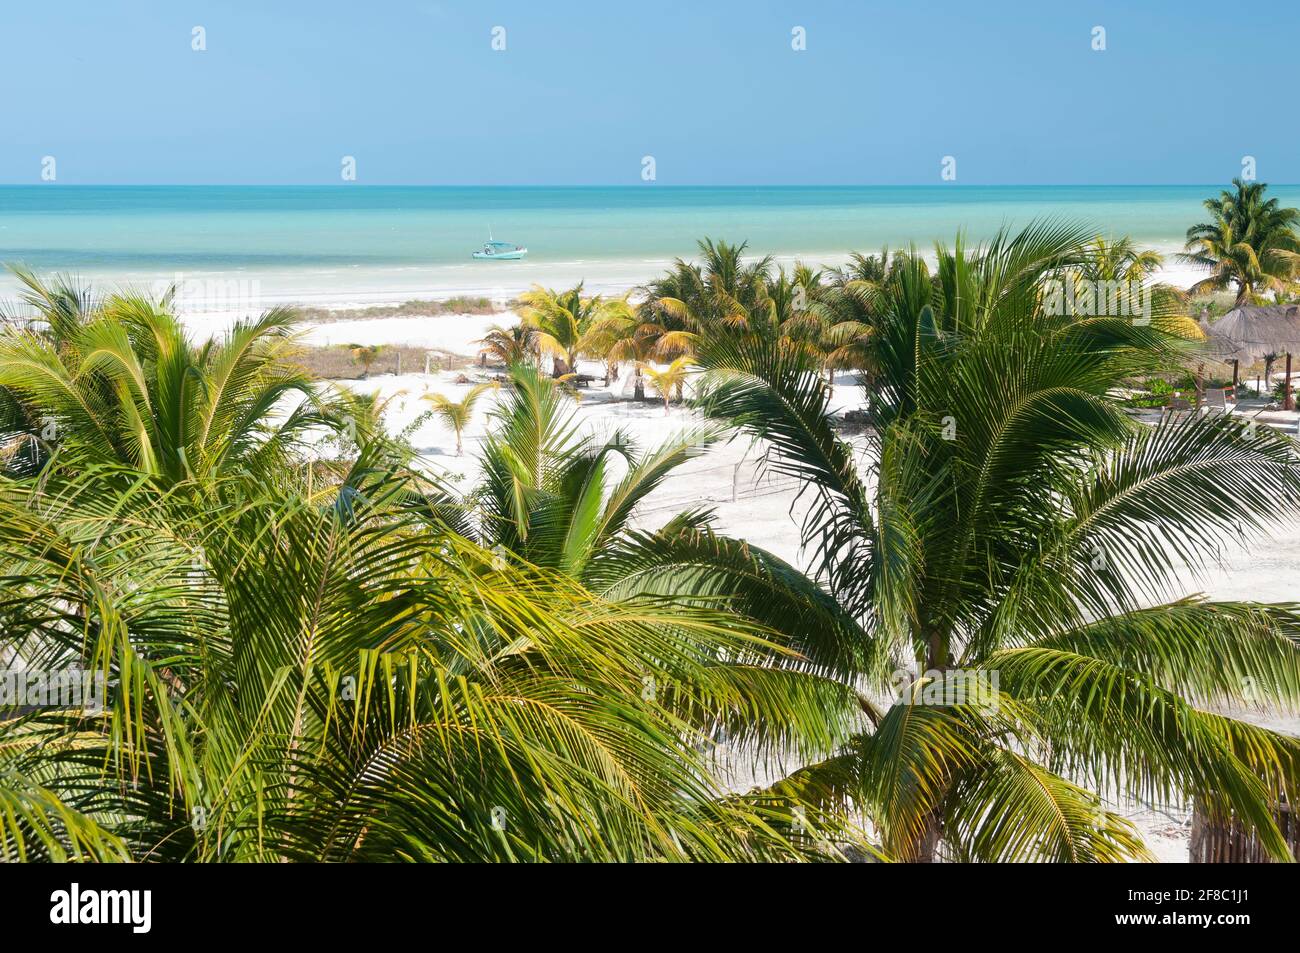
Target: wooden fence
[(1215, 841)]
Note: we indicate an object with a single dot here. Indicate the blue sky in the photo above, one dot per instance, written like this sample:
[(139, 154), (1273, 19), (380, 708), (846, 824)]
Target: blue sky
[(710, 88)]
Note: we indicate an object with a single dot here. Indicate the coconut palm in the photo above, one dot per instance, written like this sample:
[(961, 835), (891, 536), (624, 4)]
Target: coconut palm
[(341, 677), (1014, 551), (365, 355), (561, 323), (56, 310), (1119, 259), (513, 345), (830, 321), (835, 326), (669, 380), (720, 293), (126, 386), (871, 269), (457, 414), (543, 493), (361, 429), (1113, 277), (627, 334), (846, 317), (553, 496), (789, 298), (1251, 242)]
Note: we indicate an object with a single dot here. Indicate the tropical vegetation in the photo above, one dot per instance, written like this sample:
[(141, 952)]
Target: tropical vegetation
[(1250, 243), (349, 657), (457, 414)]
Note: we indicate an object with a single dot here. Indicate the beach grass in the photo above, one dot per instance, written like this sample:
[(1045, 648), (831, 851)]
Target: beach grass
[(461, 304), (336, 362)]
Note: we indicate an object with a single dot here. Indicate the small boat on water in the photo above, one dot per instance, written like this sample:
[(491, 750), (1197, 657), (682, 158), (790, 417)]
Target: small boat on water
[(501, 251)]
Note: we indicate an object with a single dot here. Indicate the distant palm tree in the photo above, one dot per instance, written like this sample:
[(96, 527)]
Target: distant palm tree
[(543, 494), (720, 293), (834, 325), (669, 379), (358, 418), (365, 355), (1117, 266), (457, 414), (872, 269), (561, 323), (513, 345), (1251, 242), (626, 334), (1119, 259)]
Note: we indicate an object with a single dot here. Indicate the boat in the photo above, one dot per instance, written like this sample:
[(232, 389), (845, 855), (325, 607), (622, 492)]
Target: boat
[(501, 251)]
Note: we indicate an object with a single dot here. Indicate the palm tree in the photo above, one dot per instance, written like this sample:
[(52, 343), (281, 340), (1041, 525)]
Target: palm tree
[(625, 334), (365, 355), (548, 498), (835, 327), (341, 677), (514, 345), (870, 269), (846, 316), (124, 385), (561, 323), (1117, 266), (543, 493), (334, 671), (358, 419), (457, 414), (1012, 558), (721, 293), (1251, 242), (831, 321), (61, 305), (1119, 259), (669, 379)]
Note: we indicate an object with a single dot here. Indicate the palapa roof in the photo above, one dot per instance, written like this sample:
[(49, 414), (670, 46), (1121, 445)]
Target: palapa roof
[(1217, 346), (1256, 331)]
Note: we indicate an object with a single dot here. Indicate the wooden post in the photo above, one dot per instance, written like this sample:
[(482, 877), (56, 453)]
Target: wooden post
[(426, 363), (1236, 368), (1288, 399)]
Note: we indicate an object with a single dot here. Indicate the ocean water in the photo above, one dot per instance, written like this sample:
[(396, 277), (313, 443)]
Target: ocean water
[(351, 244)]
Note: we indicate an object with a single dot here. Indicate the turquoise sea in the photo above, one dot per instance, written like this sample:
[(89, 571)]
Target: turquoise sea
[(350, 243)]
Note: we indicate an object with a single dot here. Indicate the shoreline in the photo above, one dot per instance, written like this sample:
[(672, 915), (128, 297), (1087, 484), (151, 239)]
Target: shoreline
[(214, 293)]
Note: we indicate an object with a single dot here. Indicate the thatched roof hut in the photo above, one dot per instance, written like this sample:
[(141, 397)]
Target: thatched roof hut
[(1259, 331), (1219, 346)]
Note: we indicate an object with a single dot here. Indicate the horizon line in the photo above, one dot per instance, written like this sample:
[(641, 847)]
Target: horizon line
[(612, 185)]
